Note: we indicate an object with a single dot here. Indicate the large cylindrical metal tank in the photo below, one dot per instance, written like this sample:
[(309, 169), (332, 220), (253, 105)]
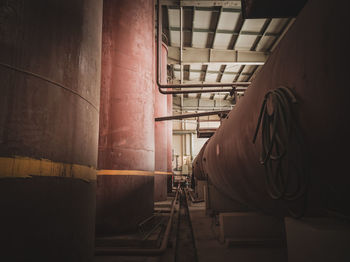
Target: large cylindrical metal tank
[(49, 112), (126, 144), (197, 165), (310, 60), (160, 134)]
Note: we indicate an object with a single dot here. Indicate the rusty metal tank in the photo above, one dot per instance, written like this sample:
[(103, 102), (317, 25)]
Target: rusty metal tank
[(50, 85), (126, 144), (310, 61), (160, 135), (197, 166)]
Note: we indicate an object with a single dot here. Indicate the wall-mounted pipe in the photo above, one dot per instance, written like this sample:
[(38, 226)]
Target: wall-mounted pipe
[(160, 86), (207, 85), (227, 90), (164, 118)]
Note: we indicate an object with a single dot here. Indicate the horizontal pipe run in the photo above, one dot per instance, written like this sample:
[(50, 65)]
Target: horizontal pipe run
[(182, 132), (233, 84), (165, 118), (202, 108), (160, 86), (225, 90), (143, 251), (203, 3)]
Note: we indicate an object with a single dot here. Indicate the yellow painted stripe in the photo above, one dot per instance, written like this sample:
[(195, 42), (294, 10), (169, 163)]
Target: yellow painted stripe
[(106, 172), (28, 167), (162, 173)]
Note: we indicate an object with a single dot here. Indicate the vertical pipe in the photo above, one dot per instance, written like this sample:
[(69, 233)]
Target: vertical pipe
[(170, 143), (126, 145), (181, 82), (181, 45), (191, 146), (50, 83), (160, 135)]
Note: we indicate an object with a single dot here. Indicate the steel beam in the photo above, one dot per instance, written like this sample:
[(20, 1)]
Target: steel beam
[(203, 56), (221, 31)]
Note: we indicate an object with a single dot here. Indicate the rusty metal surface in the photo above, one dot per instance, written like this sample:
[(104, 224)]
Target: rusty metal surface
[(127, 94), (309, 63), (47, 219), (123, 202), (197, 167), (50, 84), (160, 187), (126, 139), (59, 41)]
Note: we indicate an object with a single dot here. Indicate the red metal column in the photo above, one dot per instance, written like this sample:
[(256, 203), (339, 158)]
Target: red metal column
[(126, 144), (50, 62), (161, 138)]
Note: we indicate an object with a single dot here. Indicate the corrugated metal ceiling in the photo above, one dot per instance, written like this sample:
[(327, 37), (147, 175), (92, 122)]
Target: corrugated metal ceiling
[(219, 28)]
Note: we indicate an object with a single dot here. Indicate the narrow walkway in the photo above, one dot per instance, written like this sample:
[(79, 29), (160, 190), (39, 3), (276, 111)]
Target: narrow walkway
[(185, 246)]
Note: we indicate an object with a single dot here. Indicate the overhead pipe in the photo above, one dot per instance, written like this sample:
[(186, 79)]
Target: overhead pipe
[(198, 91), (160, 86), (164, 118), (143, 251), (206, 85)]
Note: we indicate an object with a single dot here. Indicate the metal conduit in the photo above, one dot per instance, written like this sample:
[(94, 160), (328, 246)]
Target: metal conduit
[(164, 118), (143, 251), (160, 86), (207, 91)]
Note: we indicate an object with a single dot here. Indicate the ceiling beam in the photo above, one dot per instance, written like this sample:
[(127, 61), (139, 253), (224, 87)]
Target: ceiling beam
[(193, 14), (222, 31), (239, 73), (219, 56), (284, 31), (202, 3), (262, 33), (238, 28), (213, 72), (216, 27)]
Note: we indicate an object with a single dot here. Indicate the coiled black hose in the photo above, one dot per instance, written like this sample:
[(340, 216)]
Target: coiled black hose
[(282, 146)]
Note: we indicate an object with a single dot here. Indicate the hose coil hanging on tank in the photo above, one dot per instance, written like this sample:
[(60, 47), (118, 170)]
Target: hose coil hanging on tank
[(282, 146)]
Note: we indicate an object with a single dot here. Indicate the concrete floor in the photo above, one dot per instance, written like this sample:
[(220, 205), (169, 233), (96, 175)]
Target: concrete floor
[(206, 234), (208, 246), (169, 254)]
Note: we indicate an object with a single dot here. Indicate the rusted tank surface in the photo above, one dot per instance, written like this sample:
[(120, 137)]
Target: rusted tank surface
[(160, 135), (169, 143), (50, 85), (197, 166), (126, 142), (311, 62)]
